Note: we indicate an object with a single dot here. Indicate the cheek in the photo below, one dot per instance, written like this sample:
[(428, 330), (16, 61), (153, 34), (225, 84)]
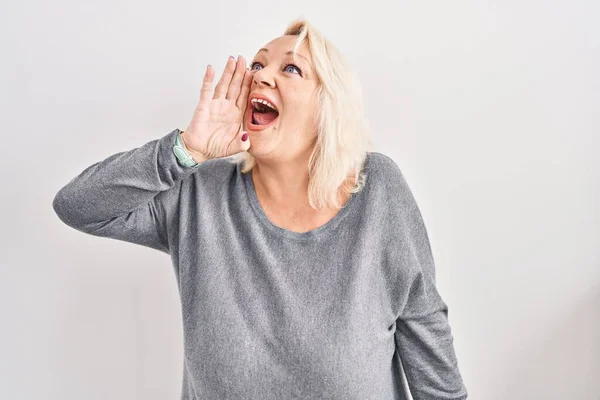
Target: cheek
[(302, 110)]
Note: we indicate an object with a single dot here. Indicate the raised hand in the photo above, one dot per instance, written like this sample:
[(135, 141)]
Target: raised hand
[(216, 126)]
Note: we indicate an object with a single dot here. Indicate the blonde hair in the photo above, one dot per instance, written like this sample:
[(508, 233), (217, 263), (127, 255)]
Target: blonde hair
[(343, 134)]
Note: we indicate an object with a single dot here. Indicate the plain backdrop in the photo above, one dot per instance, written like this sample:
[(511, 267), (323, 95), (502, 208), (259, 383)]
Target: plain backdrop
[(491, 110)]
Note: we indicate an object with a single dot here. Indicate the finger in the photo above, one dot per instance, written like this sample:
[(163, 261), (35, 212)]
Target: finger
[(245, 90), (223, 84), (204, 102), (238, 76)]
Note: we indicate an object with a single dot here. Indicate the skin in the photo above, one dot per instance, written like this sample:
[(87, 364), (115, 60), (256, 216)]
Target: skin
[(282, 150)]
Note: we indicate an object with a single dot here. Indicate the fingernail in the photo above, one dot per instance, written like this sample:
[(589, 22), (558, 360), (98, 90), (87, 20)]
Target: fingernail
[(244, 137), (232, 57)]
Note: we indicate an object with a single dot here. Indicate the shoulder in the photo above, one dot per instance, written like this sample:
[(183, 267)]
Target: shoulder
[(217, 167), (212, 178), (217, 174), (387, 175), (383, 162), (404, 224)]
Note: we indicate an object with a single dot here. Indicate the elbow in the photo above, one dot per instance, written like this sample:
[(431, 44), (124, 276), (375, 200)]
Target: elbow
[(77, 215), (60, 209), (66, 211)]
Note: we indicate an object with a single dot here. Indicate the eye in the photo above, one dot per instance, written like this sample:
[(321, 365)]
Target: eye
[(292, 65), (288, 65)]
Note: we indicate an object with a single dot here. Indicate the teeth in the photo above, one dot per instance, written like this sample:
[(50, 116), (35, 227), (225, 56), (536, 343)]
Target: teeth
[(264, 102)]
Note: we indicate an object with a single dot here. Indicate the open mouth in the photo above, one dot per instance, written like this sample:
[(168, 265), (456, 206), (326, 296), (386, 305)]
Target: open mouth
[(262, 115)]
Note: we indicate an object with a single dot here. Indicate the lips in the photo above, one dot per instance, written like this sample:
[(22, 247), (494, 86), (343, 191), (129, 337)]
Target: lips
[(255, 127)]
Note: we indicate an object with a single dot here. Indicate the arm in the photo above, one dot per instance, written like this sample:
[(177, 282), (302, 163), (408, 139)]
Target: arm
[(424, 343), (423, 335), (124, 196)]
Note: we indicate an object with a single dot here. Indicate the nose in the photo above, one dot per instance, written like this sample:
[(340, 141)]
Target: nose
[(263, 77)]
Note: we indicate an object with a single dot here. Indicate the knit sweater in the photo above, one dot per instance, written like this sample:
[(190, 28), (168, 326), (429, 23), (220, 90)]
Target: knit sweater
[(336, 312)]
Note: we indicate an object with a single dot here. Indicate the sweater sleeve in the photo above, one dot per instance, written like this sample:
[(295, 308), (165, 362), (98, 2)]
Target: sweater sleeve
[(124, 196), (424, 340)]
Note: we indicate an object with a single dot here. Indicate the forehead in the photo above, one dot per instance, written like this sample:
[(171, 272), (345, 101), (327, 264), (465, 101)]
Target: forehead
[(286, 41), (283, 44)]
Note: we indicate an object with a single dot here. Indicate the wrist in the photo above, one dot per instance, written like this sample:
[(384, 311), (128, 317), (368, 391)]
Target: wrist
[(196, 156)]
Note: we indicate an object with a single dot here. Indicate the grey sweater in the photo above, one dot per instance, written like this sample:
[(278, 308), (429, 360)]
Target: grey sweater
[(269, 313)]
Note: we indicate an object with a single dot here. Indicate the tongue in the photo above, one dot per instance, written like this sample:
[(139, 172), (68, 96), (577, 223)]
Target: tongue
[(265, 118)]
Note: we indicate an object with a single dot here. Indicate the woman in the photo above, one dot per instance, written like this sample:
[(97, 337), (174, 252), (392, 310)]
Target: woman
[(304, 266)]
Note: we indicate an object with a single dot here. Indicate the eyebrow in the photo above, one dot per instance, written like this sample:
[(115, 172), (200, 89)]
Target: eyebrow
[(288, 53)]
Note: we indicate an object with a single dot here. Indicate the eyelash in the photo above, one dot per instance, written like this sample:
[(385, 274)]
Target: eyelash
[(295, 66)]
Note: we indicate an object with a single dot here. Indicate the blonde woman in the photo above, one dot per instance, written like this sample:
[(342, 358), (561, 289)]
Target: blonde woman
[(303, 263)]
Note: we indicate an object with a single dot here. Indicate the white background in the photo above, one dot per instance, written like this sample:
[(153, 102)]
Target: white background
[(491, 110)]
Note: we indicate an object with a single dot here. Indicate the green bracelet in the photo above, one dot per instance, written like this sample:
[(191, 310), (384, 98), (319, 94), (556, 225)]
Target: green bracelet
[(181, 153)]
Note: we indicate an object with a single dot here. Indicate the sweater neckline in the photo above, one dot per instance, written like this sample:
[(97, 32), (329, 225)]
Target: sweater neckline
[(311, 234)]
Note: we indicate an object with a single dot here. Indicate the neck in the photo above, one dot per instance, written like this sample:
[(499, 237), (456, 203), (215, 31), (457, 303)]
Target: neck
[(282, 185)]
